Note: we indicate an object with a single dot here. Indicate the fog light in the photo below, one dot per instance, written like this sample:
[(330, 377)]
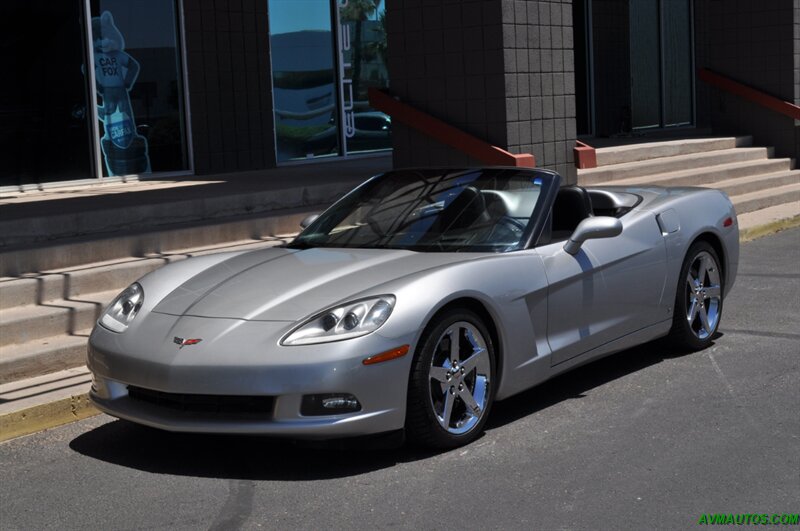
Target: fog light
[(329, 404), (340, 402)]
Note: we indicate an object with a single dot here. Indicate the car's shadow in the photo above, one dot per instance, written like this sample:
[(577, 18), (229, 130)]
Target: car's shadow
[(242, 457)]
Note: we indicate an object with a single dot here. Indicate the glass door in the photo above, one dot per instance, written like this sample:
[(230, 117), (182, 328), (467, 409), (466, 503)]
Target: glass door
[(662, 88)]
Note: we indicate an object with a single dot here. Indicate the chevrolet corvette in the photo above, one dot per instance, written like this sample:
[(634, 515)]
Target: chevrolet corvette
[(414, 303)]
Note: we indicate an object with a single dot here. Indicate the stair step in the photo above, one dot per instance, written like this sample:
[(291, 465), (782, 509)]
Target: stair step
[(701, 176), (45, 320), (43, 356), (670, 148), (271, 200), (43, 256), (76, 282), (745, 185), (43, 390), (629, 170), (34, 322), (761, 199)]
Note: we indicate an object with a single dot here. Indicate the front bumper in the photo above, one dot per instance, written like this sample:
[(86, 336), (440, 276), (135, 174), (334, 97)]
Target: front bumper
[(243, 359)]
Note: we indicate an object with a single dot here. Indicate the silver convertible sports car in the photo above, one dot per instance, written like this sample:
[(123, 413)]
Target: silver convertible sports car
[(414, 303)]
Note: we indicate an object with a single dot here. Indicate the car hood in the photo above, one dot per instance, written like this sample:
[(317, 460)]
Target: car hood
[(289, 284)]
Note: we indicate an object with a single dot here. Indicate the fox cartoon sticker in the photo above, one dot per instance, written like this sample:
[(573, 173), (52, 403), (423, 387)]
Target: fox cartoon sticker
[(124, 150)]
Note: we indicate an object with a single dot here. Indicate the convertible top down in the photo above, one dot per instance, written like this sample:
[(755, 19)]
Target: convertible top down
[(414, 303)]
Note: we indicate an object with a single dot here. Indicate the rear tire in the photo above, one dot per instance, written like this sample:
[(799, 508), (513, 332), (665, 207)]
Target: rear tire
[(698, 301), (452, 382)]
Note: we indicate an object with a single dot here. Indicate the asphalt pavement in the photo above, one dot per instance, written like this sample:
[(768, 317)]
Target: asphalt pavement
[(645, 439)]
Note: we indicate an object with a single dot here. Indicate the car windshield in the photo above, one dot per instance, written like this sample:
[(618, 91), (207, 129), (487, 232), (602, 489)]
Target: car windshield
[(484, 210)]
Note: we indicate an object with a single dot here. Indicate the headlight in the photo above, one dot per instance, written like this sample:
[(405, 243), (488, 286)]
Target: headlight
[(354, 319), (121, 312)]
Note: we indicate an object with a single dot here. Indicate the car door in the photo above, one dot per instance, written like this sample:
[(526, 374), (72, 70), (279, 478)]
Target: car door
[(610, 288)]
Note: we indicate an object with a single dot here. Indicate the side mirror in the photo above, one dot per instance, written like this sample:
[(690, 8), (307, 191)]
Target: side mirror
[(308, 220), (590, 228)]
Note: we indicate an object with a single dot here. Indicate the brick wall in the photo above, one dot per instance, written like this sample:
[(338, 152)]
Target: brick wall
[(540, 82), (501, 70), (756, 43), (230, 92), (446, 59)]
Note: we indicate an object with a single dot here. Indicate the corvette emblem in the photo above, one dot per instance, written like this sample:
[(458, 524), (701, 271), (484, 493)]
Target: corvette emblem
[(184, 342)]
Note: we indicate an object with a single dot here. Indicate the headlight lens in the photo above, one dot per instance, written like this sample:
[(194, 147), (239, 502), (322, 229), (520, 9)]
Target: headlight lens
[(122, 311), (354, 319)]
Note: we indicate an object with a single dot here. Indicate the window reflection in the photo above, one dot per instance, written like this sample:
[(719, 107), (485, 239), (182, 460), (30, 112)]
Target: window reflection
[(304, 90), (321, 74), (364, 22)]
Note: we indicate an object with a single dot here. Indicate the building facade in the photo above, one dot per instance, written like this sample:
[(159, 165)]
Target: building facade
[(105, 89)]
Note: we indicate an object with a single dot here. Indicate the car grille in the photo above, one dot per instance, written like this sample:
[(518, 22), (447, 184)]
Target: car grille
[(256, 405)]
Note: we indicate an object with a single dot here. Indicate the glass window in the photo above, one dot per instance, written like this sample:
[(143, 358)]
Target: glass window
[(325, 56), (45, 126), (363, 27), (139, 84), (303, 79), (645, 64)]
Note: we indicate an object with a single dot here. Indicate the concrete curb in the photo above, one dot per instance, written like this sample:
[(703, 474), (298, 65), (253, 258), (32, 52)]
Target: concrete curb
[(77, 407), (44, 416), (767, 229)]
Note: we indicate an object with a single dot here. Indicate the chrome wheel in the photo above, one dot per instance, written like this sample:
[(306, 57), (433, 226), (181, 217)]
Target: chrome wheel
[(704, 295), (460, 378)]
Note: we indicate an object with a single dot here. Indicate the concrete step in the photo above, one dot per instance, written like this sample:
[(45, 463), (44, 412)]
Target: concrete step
[(703, 176), (77, 282), (762, 199), (63, 253), (670, 148), (46, 318), (46, 401), (745, 185), (40, 217), (64, 317), (43, 356), (27, 393), (629, 170)]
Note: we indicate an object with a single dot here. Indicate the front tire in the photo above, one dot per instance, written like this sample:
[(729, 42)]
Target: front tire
[(452, 384), (698, 302)]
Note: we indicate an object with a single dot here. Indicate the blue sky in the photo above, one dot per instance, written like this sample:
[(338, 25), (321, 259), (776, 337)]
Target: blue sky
[(286, 16)]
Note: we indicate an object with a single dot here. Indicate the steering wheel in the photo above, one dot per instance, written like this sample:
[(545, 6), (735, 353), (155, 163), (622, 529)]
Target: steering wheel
[(513, 227)]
